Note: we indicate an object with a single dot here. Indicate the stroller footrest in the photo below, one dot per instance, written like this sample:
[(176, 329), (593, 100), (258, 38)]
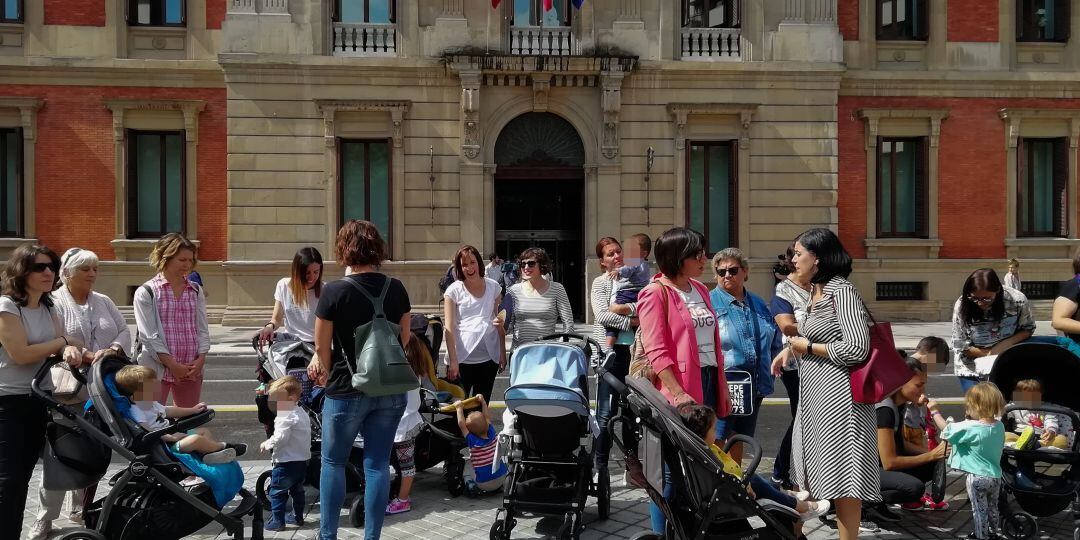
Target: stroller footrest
[(247, 502)]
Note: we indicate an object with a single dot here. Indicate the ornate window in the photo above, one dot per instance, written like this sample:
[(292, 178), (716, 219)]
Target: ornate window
[(711, 199)]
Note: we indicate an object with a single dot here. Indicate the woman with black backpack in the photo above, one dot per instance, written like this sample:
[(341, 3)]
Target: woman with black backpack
[(343, 307)]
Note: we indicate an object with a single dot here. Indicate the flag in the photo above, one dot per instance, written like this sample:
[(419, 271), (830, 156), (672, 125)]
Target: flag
[(578, 3), (495, 3), (549, 5)]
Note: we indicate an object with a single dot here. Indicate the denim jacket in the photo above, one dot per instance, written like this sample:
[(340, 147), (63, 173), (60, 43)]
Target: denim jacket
[(741, 350)]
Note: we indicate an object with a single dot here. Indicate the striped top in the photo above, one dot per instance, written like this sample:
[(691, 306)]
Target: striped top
[(600, 299), (538, 315), (482, 456)]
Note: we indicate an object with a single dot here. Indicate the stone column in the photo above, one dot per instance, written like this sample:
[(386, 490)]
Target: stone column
[(472, 177)]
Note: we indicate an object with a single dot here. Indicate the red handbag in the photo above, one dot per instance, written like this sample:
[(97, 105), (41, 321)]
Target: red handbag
[(884, 370)]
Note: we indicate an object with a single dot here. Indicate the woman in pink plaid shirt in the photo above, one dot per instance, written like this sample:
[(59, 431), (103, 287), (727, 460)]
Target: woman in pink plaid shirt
[(170, 312)]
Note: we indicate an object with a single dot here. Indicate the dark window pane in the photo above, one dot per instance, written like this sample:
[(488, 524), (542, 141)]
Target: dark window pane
[(1042, 173), (1042, 20), (12, 155), (11, 10), (719, 198), (354, 197), (710, 193), (696, 203), (174, 11), (174, 183), (379, 11), (148, 167), (900, 186), (379, 181), (365, 182)]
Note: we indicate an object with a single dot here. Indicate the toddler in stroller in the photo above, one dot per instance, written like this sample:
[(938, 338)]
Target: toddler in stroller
[(1045, 480), (146, 498)]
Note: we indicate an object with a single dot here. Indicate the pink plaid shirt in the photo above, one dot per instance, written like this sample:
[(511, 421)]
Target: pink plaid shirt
[(179, 321)]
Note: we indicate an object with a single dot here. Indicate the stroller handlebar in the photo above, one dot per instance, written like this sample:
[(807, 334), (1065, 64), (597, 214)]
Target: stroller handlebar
[(43, 372), (755, 449), (589, 342)]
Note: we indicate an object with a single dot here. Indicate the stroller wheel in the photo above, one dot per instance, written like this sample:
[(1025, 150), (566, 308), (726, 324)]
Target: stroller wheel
[(356, 512), (1076, 534), (603, 493), (262, 490), (1019, 526), (82, 534), (452, 474), (497, 532), (569, 528)]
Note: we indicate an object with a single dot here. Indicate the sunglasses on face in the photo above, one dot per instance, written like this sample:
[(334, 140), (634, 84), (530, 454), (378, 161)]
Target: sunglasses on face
[(733, 271), (979, 300), (41, 267), (528, 264)]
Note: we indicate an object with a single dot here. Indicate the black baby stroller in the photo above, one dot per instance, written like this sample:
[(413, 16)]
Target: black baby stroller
[(290, 357), (550, 458), (145, 499), (1043, 482), (707, 503)]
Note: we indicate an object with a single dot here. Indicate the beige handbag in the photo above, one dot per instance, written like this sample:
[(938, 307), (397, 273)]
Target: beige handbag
[(67, 389), (640, 365)]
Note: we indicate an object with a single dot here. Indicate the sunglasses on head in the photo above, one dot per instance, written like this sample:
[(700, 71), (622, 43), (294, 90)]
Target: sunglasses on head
[(734, 271), (41, 267), (528, 264)]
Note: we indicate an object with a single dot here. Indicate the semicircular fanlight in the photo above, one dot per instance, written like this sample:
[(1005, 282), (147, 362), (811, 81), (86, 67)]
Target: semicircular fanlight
[(539, 140)]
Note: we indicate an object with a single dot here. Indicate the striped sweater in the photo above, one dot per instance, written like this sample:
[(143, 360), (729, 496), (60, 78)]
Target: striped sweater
[(536, 316)]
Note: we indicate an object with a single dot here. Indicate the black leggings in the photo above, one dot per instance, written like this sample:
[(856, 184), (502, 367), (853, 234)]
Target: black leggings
[(906, 486), (22, 436), (478, 378)]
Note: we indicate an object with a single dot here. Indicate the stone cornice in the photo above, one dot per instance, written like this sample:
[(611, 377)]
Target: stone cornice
[(330, 107), (745, 112), (1014, 116), (874, 115), (189, 108), (111, 72), (953, 84)]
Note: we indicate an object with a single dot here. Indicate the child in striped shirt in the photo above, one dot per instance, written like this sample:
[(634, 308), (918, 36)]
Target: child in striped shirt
[(481, 439)]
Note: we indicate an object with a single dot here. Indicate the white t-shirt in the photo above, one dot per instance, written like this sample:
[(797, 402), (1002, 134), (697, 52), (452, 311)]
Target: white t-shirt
[(149, 414), (476, 330), (704, 325), (299, 321)]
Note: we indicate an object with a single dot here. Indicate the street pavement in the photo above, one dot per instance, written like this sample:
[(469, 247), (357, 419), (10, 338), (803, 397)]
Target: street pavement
[(229, 385)]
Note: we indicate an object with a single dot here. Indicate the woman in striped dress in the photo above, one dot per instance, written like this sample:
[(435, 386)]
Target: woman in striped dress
[(541, 307), (834, 440)]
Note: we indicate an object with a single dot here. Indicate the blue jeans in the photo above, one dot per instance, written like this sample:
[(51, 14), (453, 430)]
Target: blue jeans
[(966, 383), (764, 489), (376, 418), (287, 479), (606, 405), (656, 515)]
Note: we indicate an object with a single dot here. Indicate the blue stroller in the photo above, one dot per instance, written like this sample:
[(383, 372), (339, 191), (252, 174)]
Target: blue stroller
[(550, 460)]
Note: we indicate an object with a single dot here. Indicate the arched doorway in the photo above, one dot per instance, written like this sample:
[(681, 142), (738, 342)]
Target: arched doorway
[(539, 196)]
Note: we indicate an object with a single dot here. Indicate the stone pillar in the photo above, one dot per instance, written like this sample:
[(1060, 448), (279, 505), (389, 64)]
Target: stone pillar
[(610, 104), (472, 178)]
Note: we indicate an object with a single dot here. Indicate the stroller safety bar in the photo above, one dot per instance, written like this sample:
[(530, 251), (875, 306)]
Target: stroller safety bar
[(181, 426), (755, 448)]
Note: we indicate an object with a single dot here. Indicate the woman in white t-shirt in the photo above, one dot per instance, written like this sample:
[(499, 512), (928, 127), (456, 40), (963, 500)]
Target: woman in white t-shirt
[(295, 298), (475, 345)]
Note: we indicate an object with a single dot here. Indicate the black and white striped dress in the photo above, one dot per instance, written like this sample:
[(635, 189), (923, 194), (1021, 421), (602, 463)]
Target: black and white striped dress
[(834, 440)]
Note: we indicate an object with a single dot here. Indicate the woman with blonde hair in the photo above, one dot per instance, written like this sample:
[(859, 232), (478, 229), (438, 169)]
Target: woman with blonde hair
[(170, 314)]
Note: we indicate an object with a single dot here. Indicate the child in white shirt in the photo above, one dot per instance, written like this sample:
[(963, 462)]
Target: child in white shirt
[(291, 444)]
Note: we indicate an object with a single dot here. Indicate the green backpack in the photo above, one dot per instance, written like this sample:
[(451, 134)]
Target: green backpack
[(381, 366)]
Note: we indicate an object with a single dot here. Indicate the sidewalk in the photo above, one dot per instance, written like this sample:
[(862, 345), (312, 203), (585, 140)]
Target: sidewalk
[(436, 515)]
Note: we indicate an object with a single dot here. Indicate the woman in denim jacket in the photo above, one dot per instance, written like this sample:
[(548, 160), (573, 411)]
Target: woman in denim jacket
[(987, 319), (748, 335)]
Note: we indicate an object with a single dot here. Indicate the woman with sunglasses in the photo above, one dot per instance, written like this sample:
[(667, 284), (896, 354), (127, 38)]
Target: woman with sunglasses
[(94, 319), (30, 332), (749, 337), (679, 333), (541, 306), (987, 319)]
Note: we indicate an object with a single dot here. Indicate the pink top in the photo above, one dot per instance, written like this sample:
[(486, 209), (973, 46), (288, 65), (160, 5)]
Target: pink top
[(673, 343), (179, 321)]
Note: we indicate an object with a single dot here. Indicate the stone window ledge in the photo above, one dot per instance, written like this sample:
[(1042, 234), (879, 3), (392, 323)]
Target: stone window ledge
[(902, 248), (1059, 248), (16, 242)]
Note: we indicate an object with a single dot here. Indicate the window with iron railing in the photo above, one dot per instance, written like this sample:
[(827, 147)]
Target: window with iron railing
[(1040, 290), (535, 30), (364, 28)]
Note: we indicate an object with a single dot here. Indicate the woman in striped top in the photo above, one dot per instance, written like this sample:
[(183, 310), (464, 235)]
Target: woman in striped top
[(834, 441), (609, 251), (541, 307)]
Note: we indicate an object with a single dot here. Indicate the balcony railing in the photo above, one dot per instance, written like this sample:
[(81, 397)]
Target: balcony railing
[(711, 44), (365, 39), (536, 40)]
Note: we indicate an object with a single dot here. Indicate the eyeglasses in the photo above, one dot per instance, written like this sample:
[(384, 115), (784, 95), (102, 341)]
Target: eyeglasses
[(733, 271), (528, 264), (41, 267), (980, 300)]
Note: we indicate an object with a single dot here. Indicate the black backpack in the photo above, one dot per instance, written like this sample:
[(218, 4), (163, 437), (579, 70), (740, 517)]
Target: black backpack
[(447, 280)]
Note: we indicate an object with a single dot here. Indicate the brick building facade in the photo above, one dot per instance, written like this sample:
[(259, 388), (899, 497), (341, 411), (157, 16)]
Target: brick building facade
[(753, 120)]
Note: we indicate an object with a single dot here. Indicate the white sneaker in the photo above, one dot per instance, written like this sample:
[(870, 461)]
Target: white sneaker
[(868, 527), (76, 517), (40, 530), (802, 495), (817, 508)]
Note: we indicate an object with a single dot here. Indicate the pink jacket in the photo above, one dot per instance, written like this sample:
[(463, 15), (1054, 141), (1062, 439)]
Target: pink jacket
[(672, 343)]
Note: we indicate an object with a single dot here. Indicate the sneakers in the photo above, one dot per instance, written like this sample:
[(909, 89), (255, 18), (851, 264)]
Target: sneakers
[(817, 508), (221, 456), (868, 527), (398, 506), (240, 448), (881, 512), (76, 517), (915, 506), (929, 504), (294, 519), (274, 524), (40, 530)]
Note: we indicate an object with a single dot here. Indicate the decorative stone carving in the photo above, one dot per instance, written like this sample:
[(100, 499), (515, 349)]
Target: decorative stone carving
[(470, 113), (541, 84), (28, 108), (330, 108), (680, 111), (873, 119), (611, 105)]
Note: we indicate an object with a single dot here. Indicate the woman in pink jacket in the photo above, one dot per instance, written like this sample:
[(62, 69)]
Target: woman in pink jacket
[(679, 332)]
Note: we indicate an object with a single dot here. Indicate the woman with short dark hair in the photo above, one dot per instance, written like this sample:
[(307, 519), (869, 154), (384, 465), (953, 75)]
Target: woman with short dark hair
[(833, 446), (295, 298), (987, 319), (679, 332), (346, 412), (541, 307), (475, 348), (30, 332)]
